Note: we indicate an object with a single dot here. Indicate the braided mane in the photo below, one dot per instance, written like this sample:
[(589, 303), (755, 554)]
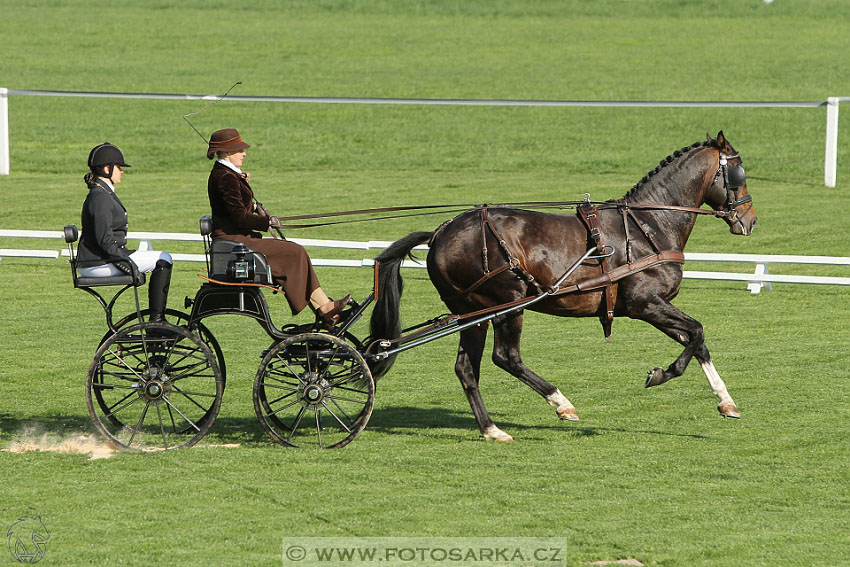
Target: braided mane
[(664, 162)]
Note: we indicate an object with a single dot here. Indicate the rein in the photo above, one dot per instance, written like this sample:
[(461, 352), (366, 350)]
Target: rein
[(426, 210)]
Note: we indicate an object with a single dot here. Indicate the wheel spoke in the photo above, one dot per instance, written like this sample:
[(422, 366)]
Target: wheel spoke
[(180, 413), (341, 409), (330, 411), (319, 426), (354, 390), (139, 424), (330, 360), (287, 406), (102, 386), (128, 404), (342, 399), (113, 411), (120, 358), (161, 428), (283, 397), (297, 421)]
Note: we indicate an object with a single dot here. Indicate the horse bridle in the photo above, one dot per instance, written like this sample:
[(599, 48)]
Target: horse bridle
[(734, 177)]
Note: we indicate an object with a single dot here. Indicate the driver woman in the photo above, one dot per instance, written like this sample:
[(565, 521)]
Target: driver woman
[(237, 216), (103, 244)]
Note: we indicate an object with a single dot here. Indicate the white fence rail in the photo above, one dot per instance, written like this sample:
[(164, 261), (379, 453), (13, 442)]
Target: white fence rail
[(758, 279), (831, 104)]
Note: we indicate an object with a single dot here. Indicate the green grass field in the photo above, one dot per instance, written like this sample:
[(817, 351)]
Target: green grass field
[(652, 475)]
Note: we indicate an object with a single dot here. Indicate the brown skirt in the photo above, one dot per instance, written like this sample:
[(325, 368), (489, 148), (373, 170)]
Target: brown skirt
[(290, 265)]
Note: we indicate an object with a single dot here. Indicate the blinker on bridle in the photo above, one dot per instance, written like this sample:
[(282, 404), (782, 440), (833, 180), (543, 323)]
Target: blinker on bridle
[(734, 177)]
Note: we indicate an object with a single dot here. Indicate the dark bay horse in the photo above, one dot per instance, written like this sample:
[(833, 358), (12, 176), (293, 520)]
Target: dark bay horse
[(492, 256)]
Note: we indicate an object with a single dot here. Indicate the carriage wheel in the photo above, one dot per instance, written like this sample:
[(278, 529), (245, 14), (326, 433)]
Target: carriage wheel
[(176, 318), (313, 390), (154, 386)]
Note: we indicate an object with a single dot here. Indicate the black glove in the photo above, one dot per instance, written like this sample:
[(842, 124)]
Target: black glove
[(129, 267)]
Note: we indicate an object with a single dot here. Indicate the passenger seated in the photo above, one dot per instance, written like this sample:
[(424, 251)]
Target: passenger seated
[(102, 251)]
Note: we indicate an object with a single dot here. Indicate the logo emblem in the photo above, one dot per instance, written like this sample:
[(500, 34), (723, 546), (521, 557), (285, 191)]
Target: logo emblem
[(28, 540)]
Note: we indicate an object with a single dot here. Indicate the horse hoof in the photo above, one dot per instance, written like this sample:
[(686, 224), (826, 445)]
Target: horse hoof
[(493, 433), (655, 377), (728, 410), (568, 414)]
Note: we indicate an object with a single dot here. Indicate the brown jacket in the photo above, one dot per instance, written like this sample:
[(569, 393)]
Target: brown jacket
[(232, 204)]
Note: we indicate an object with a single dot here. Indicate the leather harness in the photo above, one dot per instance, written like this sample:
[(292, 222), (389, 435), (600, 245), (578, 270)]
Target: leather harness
[(589, 215)]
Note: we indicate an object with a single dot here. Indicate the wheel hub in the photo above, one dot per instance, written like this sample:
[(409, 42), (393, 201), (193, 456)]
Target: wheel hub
[(313, 393), (154, 390), (313, 389)]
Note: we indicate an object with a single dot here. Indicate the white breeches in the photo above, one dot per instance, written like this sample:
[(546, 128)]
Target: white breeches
[(145, 260)]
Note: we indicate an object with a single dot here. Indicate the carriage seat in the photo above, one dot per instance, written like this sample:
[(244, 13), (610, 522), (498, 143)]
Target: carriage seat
[(227, 259), (71, 236)]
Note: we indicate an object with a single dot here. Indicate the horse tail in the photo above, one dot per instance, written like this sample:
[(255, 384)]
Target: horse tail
[(386, 320)]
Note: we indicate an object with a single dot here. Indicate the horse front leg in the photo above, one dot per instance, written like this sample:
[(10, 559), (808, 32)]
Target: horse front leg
[(506, 355), (726, 406), (468, 370), (688, 332)]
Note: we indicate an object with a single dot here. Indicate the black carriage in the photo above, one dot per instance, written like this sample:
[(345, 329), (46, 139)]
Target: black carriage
[(159, 385)]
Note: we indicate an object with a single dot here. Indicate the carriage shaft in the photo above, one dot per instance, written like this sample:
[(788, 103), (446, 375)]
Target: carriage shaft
[(455, 326)]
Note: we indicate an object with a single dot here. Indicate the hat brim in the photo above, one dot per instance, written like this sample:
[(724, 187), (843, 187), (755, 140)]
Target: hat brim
[(229, 148)]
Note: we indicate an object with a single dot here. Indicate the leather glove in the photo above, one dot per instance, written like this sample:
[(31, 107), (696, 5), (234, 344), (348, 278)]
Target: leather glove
[(130, 268), (274, 222)]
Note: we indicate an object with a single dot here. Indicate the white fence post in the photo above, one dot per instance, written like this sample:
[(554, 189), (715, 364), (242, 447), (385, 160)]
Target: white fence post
[(756, 287), (4, 131), (831, 161)]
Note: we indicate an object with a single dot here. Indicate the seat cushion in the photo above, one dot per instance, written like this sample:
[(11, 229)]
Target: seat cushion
[(109, 280)]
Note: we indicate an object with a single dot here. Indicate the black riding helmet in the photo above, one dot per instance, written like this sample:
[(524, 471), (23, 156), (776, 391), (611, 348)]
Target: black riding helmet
[(106, 154)]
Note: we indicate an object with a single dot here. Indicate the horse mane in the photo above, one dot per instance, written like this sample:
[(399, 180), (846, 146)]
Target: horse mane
[(666, 161)]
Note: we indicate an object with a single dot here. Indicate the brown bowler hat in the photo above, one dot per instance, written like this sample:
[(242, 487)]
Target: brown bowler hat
[(227, 140)]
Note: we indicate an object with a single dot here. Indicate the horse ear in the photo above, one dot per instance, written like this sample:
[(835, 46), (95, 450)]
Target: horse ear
[(721, 140), (708, 138)]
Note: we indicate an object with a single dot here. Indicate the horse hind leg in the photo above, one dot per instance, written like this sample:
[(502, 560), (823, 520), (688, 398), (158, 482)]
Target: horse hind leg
[(468, 370), (506, 355)]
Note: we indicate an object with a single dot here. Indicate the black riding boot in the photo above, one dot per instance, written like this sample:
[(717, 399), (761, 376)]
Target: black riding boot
[(160, 280)]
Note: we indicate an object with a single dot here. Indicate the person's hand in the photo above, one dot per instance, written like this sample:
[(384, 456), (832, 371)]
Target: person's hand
[(131, 269), (274, 222)]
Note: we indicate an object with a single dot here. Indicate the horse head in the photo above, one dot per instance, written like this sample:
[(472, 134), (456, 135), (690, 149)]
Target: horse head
[(727, 192)]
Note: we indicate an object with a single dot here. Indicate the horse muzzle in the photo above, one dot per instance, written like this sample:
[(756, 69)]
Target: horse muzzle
[(742, 224)]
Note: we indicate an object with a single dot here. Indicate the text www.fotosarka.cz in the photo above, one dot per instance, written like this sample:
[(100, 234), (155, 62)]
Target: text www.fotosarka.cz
[(425, 551)]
